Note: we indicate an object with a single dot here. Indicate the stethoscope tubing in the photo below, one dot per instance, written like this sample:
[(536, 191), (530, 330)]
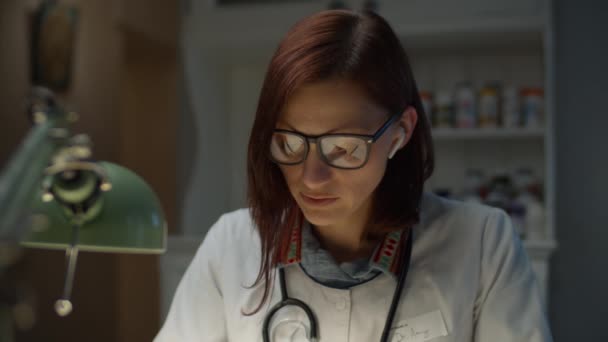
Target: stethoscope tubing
[(286, 300)]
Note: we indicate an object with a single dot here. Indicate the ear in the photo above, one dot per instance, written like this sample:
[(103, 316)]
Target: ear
[(407, 123)]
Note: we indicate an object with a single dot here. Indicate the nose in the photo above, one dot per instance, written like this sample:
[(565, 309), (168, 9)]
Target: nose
[(315, 172)]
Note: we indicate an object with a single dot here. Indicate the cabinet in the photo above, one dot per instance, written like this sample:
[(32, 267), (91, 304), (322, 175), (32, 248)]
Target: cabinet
[(226, 51)]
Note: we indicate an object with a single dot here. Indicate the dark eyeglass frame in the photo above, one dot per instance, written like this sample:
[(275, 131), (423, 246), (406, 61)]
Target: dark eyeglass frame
[(308, 139)]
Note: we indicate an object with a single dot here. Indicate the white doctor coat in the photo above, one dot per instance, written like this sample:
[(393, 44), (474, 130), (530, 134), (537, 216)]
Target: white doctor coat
[(469, 280)]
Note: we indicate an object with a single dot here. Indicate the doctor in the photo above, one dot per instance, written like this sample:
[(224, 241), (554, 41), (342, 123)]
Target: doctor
[(340, 243)]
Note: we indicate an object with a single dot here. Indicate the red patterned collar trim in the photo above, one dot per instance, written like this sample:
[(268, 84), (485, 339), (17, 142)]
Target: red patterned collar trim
[(386, 256)]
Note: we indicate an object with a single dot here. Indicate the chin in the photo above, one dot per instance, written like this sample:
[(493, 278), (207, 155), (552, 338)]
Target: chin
[(321, 218)]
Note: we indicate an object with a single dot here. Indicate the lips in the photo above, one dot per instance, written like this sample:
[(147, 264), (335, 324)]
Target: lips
[(317, 200)]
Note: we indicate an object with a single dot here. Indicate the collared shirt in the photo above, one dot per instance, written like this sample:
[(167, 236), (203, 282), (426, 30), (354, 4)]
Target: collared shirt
[(305, 249)]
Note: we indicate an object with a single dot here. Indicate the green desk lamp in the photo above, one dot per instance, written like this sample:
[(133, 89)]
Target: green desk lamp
[(75, 203), (94, 207)]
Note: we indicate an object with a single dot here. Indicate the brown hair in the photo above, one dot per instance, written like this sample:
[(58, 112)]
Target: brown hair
[(340, 44)]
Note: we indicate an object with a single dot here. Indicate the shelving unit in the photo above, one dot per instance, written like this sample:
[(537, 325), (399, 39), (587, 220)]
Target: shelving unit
[(227, 50), (505, 41), (485, 134)]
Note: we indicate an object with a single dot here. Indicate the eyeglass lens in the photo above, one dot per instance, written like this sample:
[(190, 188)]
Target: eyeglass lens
[(337, 150)]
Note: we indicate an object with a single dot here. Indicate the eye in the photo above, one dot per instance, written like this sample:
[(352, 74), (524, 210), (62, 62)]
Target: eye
[(291, 145), (336, 152), (286, 148)]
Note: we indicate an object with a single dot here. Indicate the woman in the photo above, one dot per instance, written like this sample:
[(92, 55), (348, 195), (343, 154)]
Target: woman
[(339, 242)]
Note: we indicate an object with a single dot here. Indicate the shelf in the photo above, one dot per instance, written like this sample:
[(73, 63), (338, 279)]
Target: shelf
[(450, 134)]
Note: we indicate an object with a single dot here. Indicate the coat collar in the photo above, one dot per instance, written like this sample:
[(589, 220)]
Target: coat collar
[(386, 256)]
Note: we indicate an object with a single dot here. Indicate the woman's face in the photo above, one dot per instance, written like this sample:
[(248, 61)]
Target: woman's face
[(329, 196)]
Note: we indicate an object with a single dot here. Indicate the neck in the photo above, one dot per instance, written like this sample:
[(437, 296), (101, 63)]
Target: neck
[(348, 240), (344, 250)]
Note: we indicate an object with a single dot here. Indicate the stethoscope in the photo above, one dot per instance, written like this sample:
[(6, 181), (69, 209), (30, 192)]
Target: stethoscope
[(313, 336)]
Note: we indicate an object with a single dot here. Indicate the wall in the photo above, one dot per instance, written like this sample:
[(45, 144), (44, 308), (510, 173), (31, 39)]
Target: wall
[(124, 88), (94, 95), (13, 68), (148, 123), (579, 281), (203, 162)]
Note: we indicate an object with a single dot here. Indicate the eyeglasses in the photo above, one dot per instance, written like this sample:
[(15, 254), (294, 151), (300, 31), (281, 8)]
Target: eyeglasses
[(342, 151)]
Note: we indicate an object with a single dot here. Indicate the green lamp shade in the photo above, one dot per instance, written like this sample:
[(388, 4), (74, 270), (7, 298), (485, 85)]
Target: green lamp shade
[(128, 218)]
